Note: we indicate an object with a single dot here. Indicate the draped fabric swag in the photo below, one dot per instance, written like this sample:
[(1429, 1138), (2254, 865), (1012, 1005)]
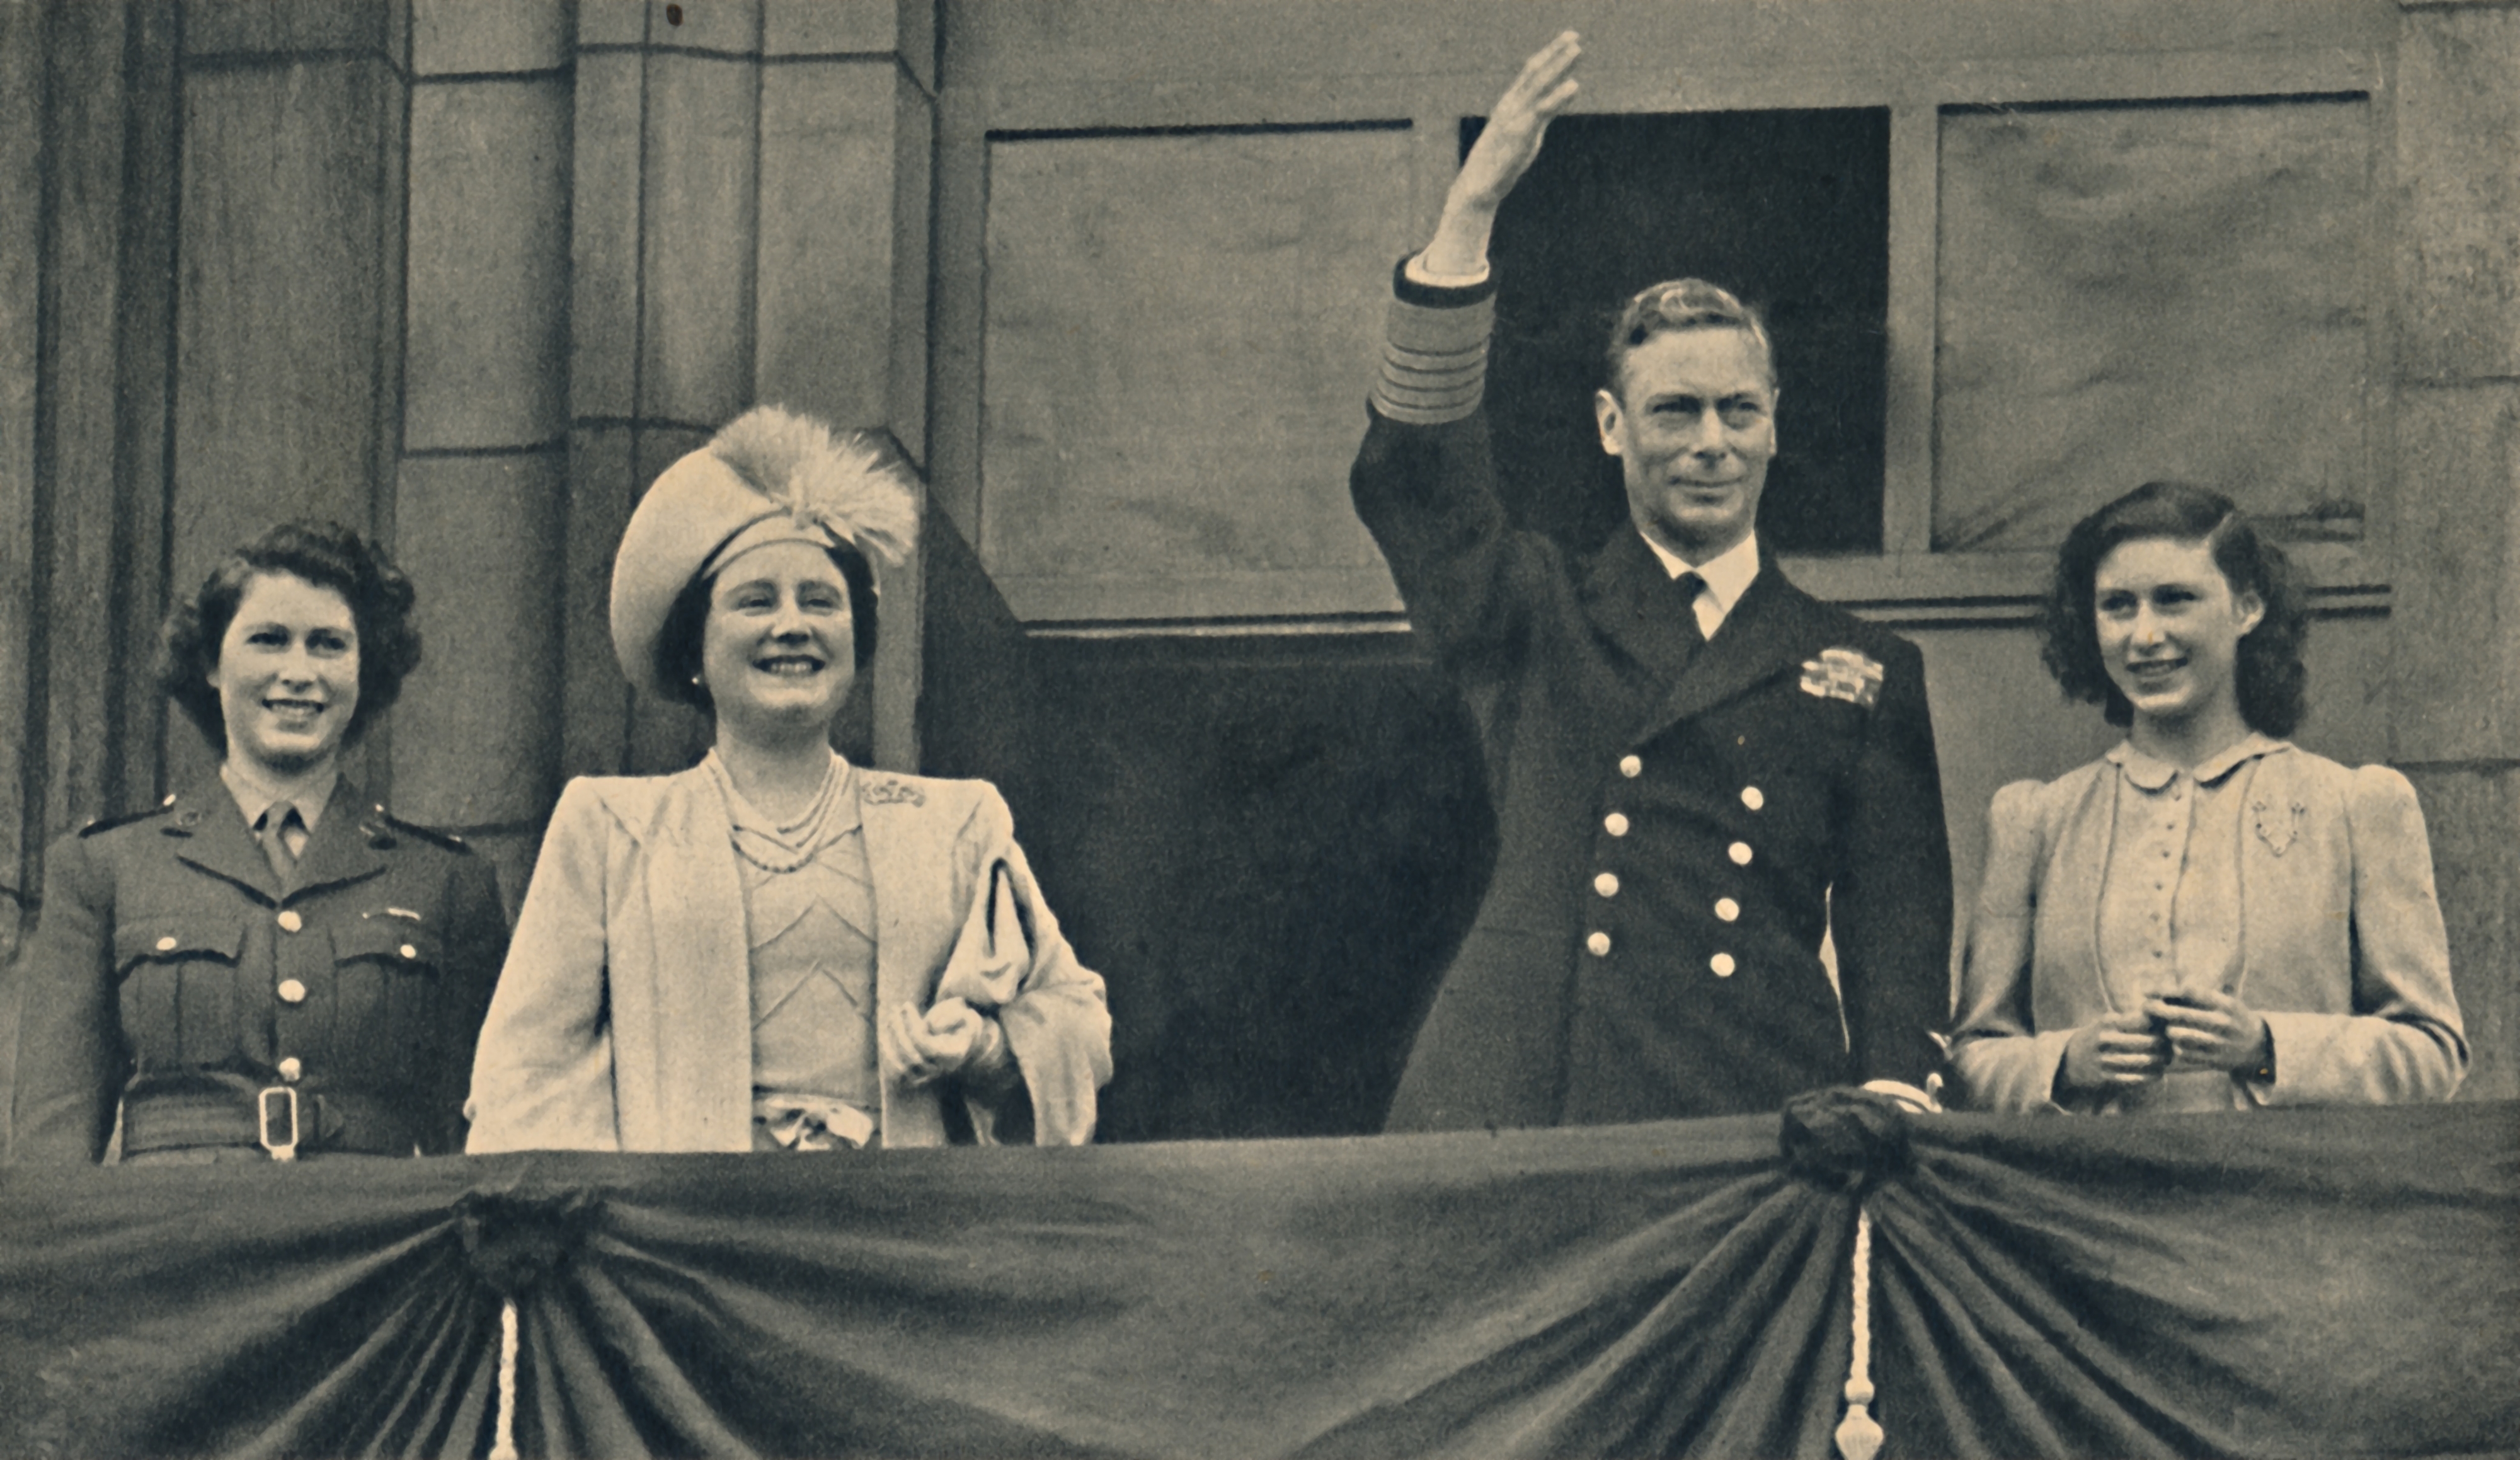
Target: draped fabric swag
[(2286, 1282)]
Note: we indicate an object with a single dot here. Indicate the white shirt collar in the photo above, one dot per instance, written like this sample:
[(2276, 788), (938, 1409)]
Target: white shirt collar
[(1728, 575), (2151, 773)]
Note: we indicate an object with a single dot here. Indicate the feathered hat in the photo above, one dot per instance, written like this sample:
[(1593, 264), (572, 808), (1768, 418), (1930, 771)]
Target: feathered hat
[(770, 475)]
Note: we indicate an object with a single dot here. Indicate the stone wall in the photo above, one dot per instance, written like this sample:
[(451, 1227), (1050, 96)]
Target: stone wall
[(2455, 627)]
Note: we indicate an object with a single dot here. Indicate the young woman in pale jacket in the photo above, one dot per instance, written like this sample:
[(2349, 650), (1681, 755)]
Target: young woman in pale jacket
[(2207, 916), (776, 949)]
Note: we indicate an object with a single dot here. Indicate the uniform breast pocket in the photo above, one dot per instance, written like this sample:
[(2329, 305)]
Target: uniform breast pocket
[(387, 943), (388, 1025), (143, 942)]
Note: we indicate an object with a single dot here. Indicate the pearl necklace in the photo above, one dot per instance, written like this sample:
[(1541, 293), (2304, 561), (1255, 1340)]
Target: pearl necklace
[(785, 848)]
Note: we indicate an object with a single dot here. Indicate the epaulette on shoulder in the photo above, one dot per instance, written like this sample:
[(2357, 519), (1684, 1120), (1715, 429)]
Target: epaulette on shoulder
[(429, 834), (109, 823)]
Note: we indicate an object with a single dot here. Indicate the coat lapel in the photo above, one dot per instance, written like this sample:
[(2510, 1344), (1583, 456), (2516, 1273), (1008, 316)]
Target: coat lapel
[(1773, 629), (1631, 598), (344, 845), (697, 1037), (909, 874), (212, 835)]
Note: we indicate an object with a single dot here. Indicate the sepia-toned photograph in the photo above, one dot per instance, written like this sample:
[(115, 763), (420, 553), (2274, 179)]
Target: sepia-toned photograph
[(1734, 728)]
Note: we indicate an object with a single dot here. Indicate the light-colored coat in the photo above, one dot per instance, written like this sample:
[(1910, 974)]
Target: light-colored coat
[(623, 1021), (2342, 944)]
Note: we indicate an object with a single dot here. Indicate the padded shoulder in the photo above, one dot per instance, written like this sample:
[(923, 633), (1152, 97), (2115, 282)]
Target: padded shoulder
[(109, 823), (429, 833)]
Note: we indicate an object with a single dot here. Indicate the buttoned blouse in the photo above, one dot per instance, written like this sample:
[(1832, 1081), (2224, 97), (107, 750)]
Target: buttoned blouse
[(2300, 886), (2170, 901)]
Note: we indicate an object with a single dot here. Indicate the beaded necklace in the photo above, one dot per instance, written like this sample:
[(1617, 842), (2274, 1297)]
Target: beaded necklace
[(782, 847)]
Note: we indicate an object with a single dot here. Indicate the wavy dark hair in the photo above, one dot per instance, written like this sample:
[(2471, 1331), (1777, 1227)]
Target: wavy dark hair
[(2270, 675), (327, 555), (678, 642), (1679, 304)]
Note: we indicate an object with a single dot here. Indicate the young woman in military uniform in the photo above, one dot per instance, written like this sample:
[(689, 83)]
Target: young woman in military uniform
[(267, 966)]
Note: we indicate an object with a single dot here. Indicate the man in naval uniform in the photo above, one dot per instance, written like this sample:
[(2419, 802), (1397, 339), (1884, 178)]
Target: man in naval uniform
[(1699, 771)]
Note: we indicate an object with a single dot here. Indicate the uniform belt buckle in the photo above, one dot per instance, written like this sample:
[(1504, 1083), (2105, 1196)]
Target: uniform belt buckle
[(276, 1111)]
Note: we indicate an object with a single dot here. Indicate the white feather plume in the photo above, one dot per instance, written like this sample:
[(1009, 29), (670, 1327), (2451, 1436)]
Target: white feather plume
[(852, 483)]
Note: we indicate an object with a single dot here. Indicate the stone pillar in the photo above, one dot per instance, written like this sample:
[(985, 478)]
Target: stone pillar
[(85, 264), (288, 318), (749, 226), (2455, 626), (480, 493)]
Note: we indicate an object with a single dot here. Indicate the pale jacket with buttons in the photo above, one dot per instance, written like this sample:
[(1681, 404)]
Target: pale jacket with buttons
[(2342, 944), (623, 1021)]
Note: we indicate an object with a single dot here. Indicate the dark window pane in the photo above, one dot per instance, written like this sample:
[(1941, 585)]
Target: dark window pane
[(1789, 209)]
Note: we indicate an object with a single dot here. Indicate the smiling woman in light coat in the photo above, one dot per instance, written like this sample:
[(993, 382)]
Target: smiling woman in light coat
[(776, 949), (2208, 917)]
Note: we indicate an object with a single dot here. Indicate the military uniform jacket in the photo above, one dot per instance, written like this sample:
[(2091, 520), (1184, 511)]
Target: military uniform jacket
[(167, 947), (1677, 831)]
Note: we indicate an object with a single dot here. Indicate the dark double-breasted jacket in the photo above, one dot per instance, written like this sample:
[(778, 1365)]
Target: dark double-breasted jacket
[(1679, 825), (170, 964)]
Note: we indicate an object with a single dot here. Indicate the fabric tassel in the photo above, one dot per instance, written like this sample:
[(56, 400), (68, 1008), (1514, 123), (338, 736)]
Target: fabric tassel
[(504, 1448), (1858, 1437)]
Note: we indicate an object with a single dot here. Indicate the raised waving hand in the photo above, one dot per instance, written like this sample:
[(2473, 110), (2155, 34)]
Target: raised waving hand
[(1504, 153)]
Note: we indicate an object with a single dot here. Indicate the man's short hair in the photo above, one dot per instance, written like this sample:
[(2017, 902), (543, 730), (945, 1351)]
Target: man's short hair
[(1682, 304)]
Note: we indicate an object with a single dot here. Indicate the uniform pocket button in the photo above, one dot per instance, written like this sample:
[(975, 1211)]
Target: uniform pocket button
[(408, 951), (290, 1069), (167, 945)]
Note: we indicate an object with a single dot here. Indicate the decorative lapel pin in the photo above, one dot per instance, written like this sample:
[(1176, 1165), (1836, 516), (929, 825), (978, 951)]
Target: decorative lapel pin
[(2275, 827), (1843, 675), (890, 792)]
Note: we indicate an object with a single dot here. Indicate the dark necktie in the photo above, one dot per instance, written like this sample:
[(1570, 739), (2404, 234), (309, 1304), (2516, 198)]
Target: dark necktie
[(1684, 590)]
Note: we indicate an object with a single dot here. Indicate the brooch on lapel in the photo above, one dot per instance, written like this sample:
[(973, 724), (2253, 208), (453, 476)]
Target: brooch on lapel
[(886, 793), (2275, 827), (1843, 675)]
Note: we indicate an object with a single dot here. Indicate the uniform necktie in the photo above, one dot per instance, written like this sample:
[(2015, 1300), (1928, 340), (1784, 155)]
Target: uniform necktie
[(283, 840)]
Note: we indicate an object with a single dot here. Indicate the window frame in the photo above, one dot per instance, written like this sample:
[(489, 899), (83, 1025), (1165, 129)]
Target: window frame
[(1820, 55)]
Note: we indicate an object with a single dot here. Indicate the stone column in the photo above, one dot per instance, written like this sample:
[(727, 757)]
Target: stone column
[(749, 226), (2455, 626), (86, 254), (481, 495), (289, 312)]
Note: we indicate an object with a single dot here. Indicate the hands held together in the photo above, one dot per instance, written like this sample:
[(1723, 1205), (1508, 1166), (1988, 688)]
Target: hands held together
[(952, 1037), (2204, 1030)]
